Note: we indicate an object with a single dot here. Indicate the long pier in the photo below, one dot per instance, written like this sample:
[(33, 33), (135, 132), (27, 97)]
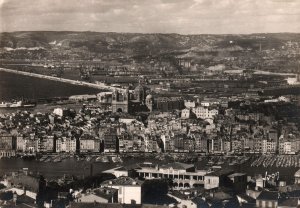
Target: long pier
[(100, 86)]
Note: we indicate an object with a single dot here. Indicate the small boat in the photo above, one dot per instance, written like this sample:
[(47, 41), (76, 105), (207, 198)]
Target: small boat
[(98, 159), (88, 158), (105, 159)]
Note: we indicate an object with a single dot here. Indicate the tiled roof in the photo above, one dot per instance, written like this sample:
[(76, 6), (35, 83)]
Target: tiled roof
[(268, 195)]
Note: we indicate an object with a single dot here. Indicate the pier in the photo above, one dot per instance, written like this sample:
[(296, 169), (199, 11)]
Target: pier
[(100, 86)]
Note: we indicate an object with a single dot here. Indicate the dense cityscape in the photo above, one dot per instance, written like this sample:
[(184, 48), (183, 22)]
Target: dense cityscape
[(147, 120)]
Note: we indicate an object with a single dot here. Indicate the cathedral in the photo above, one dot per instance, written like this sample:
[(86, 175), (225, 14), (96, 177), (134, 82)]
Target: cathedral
[(132, 101)]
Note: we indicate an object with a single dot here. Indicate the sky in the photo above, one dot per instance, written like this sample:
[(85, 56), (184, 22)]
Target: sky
[(152, 16)]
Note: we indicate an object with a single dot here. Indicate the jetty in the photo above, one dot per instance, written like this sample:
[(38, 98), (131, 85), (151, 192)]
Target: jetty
[(99, 85)]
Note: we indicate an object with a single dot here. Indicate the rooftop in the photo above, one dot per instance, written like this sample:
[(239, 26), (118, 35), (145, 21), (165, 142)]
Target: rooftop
[(178, 166), (123, 180), (221, 172), (236, 175), (268, 195), (105, 205)]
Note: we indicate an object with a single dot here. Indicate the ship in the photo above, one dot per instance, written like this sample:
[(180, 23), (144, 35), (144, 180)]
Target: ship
[(18, 104)]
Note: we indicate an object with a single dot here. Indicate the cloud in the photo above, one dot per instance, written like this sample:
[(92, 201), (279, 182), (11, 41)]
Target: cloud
[(167, 16)]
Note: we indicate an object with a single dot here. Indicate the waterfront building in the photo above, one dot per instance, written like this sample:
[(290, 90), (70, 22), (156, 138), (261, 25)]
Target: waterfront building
[(129, 190), (6, 142), (66, 144), (183, 175), (89, 144), (20, 143), (45, 144), (30, 145), (168, 143)]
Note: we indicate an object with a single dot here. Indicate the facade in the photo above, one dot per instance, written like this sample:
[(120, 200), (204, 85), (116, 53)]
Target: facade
[(217, 179), (185, 113), (66, 144), (6, 142), (120, 101), (89, 145), (183, 175), (165, 104), (105, 97), (267, 199), (110, 140), (30, 145), (204, 113), (20, 143), (7, 145), (45, 144), (129, 190), (269, 146)]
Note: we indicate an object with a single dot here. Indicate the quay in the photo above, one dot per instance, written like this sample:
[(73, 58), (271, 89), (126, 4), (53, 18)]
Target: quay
[(100, 86)]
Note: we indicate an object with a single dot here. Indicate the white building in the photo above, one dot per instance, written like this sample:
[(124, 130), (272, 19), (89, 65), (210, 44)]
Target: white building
[(285, 147), (185, 113), (268, 146), (183, 175), (204, 113), (129, 190)]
